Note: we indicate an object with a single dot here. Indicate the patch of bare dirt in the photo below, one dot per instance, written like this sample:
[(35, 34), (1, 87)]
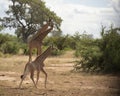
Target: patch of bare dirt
[(61, 82)]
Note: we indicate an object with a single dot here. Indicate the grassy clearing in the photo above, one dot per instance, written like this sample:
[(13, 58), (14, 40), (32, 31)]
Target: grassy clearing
[(61, 82)]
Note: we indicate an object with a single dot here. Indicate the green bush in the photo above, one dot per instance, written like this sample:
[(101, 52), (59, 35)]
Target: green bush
[(89, 53), (10, 47), (9, 44), (100, 55), (25, 49), (110, 47), (56, 52)]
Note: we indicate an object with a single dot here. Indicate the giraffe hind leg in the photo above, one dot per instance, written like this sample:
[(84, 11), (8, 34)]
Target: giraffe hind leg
[(45, 76)]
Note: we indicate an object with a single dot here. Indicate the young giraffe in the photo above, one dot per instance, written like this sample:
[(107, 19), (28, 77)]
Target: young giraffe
[(36, 65), (37, 42)]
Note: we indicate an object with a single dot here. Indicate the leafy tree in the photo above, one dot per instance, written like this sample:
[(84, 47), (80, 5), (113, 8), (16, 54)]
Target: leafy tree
[(26, 16)]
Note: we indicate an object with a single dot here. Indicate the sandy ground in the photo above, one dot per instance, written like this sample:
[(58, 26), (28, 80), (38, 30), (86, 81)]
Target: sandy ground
[(61, 81)]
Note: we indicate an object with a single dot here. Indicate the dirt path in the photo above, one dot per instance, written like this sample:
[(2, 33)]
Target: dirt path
[(61, 82)]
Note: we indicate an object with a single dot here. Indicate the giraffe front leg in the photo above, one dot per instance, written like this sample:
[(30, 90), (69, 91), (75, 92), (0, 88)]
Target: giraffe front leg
[(32, 78), (38, 72)]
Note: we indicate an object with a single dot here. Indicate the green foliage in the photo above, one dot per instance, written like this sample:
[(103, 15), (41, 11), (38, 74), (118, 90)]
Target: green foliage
[(63, 42), (9, 44), (89, 52), (58, 41), (72, 41), (24, 48), (83, 44), (110, 47), (101, 55), (56, 52), (10, 47), (4, 38)]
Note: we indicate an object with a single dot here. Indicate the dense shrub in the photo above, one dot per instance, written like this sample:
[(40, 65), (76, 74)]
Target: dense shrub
[(24, 48), (110, 47), (10, 47), (58, 41), (100, 55), (63, 42), (56, 52), (89, 53), (4, 38), (9, 44)]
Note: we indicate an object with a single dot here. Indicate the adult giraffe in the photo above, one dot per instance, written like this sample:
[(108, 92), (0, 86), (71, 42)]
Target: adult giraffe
[(36, 41)]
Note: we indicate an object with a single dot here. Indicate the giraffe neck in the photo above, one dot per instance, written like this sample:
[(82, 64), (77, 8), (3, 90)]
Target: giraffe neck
[(43, 34), (44, 55)]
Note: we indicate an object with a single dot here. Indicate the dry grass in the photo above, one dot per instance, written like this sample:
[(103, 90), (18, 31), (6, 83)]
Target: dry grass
[(61, 82)]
